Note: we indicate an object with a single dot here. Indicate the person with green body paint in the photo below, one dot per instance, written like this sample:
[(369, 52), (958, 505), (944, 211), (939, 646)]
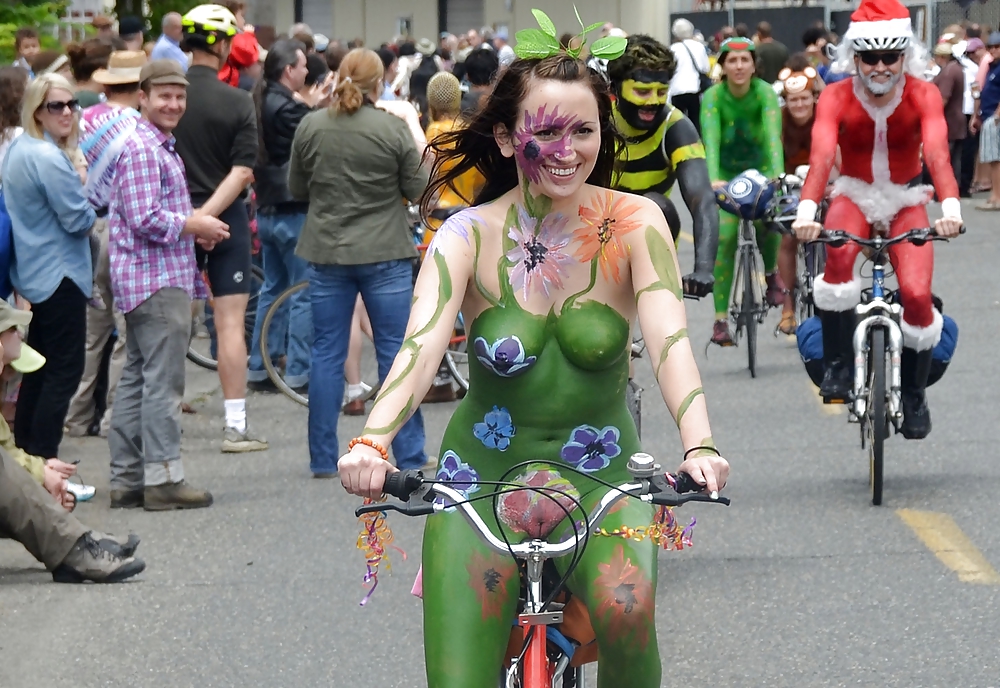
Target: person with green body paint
[(741, 129), (548, 267)]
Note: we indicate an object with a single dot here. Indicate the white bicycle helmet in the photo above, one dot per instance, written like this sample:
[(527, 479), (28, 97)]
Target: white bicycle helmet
[(884, 43), (210, 22)]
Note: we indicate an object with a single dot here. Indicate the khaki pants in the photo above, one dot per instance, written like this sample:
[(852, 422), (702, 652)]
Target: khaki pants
[(101, 323), (31, 516)]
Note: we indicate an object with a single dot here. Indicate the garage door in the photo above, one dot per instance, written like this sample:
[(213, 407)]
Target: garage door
[(463, 15), (318, 14)]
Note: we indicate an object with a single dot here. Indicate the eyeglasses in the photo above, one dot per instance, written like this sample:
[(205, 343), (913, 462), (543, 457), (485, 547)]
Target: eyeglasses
[(872, 58), (57, 107)]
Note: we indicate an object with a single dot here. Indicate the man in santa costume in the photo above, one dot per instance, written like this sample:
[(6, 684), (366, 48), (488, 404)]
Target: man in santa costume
[(881, 119)]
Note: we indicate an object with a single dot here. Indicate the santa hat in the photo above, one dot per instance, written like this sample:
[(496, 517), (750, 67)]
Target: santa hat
[(880, 25)]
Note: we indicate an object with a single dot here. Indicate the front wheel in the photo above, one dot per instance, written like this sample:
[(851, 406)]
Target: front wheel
[(877, 422), (750, 309)]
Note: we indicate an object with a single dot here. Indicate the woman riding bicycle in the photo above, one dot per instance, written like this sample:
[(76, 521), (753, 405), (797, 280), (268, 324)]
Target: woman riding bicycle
[(549, 267), (741, 129)]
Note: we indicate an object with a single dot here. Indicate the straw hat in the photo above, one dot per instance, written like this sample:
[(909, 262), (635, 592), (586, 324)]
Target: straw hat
[(124, 67)]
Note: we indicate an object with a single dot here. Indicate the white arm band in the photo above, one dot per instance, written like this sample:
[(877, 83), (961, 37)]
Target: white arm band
[(806, 211), (951, 208)]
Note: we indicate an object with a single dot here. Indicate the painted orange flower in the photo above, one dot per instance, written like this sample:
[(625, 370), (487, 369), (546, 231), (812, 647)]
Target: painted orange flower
[(626, 595), (489, 576), (604, 226)]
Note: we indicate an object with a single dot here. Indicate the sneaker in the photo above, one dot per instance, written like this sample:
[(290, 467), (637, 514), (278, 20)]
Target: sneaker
[(363, 392), (721, 335), (91, 560), (126, 545), (126, 499), (83, 493), (175, 496), (265, 386), (234, 442), (775, 290)]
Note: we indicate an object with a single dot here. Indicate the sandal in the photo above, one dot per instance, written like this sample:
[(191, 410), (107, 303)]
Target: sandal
[(787, 324)]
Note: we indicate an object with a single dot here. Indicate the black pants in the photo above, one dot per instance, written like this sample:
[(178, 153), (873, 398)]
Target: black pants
[(58, 331), (690, 105), (970, 148)]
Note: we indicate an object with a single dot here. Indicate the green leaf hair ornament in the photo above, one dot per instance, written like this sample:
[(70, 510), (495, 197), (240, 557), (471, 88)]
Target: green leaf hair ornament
[(537, 44)]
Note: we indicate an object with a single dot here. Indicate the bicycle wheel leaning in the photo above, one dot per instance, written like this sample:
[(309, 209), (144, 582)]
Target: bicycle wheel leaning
[(274, 316), (202, 342), (876, 421), (456, 358)]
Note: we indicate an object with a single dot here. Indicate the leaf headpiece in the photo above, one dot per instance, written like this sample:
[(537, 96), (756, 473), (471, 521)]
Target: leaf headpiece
[(536, 44)]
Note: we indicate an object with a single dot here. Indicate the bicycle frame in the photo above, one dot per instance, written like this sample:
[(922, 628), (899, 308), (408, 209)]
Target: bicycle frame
[(877, 312), (747, 241)]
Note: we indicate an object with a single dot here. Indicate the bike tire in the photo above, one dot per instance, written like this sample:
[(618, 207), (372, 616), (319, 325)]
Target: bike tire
[(749, 310), (265, 330), (456, 358), (877, 419), (201, 356)]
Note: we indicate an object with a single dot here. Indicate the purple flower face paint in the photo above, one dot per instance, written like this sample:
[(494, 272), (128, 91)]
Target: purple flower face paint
[(543, 135)]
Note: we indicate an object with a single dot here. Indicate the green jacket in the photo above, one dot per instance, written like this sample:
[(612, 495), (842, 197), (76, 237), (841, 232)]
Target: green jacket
[(355, 170)]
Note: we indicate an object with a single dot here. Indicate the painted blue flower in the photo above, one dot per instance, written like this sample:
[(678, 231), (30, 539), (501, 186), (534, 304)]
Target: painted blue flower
[(590, 449), (496, 429), (458, 474), (505, 357)]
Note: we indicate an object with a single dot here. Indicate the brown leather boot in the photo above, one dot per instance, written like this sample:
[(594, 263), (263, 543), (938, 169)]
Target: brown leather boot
[(175, 496), (355, 408)]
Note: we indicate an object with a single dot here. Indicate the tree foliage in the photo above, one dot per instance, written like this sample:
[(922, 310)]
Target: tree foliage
[(157, 8), (41, 14)]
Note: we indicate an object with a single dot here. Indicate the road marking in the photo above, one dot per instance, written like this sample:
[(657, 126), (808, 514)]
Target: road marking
[(687, 237), (945, 539)]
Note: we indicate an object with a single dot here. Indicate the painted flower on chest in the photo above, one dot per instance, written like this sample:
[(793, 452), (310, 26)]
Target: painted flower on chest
[(605, 223), (505, 356), (590, 449), (458, 474), (496, 429), (538, 255)]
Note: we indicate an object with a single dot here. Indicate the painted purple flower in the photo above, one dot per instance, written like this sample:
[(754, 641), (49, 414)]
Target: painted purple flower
[(590, 449), (531, 152), (458, 474), (505, 356), (538, 257), (496, 429), (456, 225)]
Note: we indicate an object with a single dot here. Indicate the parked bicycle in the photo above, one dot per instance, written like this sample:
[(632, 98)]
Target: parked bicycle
[(548, 658), (875, 401)]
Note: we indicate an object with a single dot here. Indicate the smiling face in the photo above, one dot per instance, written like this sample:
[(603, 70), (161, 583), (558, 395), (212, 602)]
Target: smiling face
[(800, 105), (54, 120), (164, 105), (557, 137), (880, 78), (642, 97), (738, 67)]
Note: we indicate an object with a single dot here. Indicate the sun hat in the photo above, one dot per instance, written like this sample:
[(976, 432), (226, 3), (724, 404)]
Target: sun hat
[(30, 360), (124, 67), (425, 47)]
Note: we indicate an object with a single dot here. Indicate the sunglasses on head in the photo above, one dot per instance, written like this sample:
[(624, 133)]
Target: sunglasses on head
[(57, 107), (888, 58)]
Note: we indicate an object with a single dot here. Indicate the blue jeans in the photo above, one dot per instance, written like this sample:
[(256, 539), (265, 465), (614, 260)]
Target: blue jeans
[(386, 289), (282, 269)]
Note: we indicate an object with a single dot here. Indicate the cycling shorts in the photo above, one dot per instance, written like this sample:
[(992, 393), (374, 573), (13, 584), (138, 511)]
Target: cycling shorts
[(228, 264)]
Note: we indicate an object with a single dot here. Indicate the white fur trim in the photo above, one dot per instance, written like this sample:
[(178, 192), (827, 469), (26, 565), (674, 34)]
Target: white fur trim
[(806, 210), (882, 202), (951, 208), (880, 116), (921, 338), (836, 297), (887, 28)]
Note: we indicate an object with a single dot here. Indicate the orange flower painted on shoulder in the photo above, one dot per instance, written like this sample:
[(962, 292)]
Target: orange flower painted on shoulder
[(605, 223), (626, 598)]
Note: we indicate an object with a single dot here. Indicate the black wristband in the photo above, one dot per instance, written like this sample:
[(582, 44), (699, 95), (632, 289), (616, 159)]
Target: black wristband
[(702, 446)]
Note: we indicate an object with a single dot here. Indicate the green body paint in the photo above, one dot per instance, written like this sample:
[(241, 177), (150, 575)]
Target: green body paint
[(686, 404), (667, 345)]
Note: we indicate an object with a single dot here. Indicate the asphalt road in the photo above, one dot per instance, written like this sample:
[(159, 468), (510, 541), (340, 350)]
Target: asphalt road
[(800, 583)]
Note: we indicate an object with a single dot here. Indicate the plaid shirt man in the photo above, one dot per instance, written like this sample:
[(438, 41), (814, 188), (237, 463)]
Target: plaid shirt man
[(147, 212)]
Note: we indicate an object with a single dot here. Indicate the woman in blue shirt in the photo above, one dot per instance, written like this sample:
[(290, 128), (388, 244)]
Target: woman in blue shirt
[(51, 220)]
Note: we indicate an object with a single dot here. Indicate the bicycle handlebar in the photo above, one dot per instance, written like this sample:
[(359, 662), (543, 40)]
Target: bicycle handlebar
[(419, 496), (918, 236)]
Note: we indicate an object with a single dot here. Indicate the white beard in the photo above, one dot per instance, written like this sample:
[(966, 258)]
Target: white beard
[(878, 88)]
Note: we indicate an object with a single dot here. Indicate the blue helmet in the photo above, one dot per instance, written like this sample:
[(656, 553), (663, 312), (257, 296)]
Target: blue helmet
[(748, 195)]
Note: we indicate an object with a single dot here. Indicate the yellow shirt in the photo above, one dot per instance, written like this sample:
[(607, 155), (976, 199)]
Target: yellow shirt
[(463, 189)]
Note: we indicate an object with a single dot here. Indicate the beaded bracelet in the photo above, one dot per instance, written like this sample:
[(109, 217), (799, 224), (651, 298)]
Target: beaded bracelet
[(702, 446), (369, 443)]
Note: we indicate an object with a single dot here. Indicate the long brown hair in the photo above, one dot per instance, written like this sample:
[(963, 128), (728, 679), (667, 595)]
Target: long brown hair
[(473, 146), (360, 73)]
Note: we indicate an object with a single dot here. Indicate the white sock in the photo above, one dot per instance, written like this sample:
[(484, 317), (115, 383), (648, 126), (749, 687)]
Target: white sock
[(236, 414)]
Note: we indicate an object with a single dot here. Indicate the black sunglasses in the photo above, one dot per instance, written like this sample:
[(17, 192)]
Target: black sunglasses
[(872, 58), (57, 107)]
